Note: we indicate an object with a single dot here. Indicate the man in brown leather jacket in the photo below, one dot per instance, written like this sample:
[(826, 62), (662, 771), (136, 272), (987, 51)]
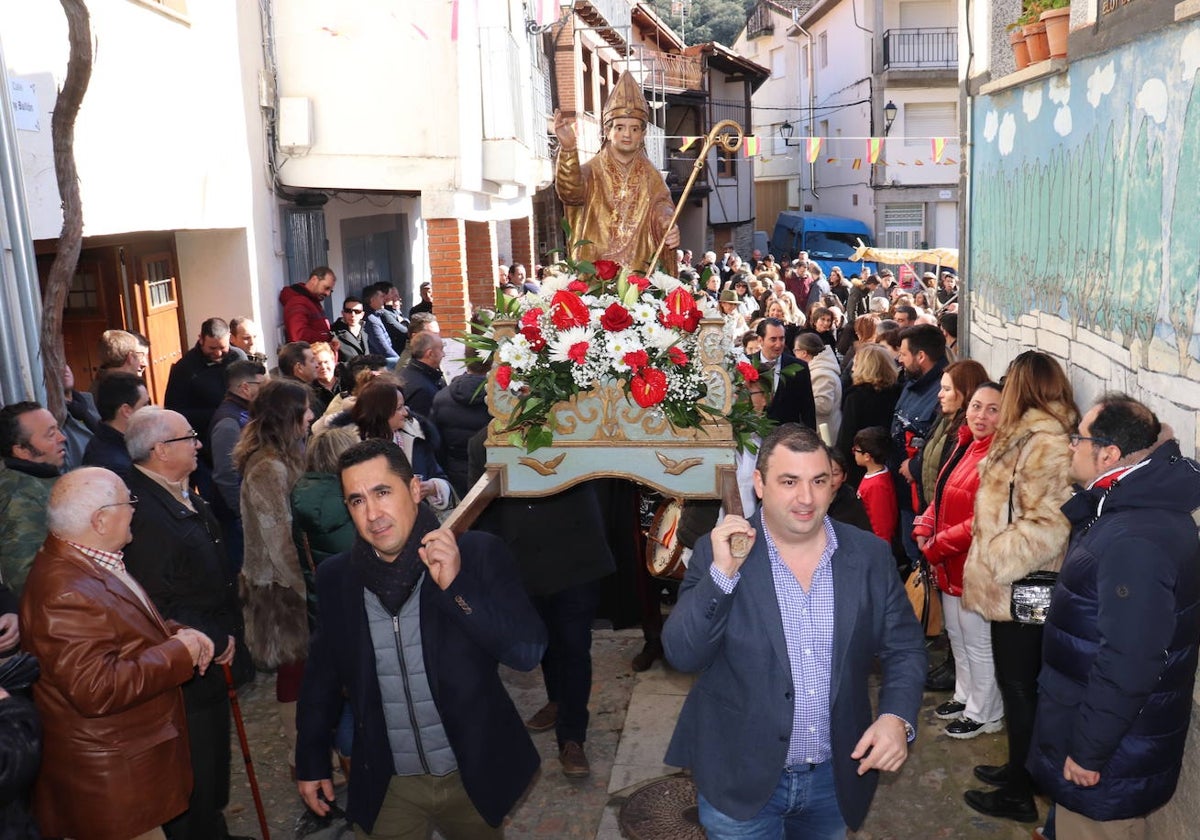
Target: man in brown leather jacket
[(115, 749)]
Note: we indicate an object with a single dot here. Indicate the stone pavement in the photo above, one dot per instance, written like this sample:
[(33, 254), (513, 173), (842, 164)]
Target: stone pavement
[(632, 719)]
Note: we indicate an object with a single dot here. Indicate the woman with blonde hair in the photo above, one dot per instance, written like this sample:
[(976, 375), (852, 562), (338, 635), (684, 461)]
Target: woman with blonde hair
[(870, 401), (1019, 529)]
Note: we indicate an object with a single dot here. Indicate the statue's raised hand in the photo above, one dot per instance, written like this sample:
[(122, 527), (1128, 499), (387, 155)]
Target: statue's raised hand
[(564, 130)]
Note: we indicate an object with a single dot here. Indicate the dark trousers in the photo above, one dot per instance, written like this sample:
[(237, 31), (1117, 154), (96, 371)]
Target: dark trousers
[(208, 732), (1017, 652), (567, 664)]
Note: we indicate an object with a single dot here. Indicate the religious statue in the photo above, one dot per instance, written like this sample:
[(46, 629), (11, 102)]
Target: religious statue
[(617, 201)]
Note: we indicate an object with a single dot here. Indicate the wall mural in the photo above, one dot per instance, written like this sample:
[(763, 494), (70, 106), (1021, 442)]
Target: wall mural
[(1086, 194)]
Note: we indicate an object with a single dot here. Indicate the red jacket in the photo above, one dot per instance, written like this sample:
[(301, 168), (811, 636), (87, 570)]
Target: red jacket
[(949, 517), (303, 317)]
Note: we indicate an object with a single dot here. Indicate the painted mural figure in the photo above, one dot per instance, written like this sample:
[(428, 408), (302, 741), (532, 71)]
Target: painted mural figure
[(617, 201)]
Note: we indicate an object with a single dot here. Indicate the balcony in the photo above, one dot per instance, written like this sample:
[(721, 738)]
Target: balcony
[(515, 102), (665, 72), (916, 55)]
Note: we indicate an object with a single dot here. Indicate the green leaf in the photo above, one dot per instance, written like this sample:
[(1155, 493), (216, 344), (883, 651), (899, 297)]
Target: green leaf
[(585, 267), (537, 437)]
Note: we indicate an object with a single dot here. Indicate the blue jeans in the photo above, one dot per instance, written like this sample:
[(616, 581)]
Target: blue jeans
[(803, 807)]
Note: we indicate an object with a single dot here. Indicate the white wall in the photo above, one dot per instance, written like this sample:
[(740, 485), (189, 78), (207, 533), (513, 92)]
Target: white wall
[(341, 208)]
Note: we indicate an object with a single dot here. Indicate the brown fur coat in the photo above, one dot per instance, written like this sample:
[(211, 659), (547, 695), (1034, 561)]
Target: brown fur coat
[(1036, 539), (272, 587)]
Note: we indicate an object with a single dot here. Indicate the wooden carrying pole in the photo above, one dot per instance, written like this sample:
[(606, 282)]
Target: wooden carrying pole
[(728, 142)]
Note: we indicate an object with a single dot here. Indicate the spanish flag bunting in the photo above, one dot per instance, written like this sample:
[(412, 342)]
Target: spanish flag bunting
[(874, 148), (687, 143), (939, 148), (751, 145), (857, 164), (814, 148)]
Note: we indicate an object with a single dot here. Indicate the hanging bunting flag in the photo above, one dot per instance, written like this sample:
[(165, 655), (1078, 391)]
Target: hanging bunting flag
[(950, 162), (832, 161), (857, 164), (874, 148), (939, 148), (687, 143), (751, 145), (814, 148), (918, 163)]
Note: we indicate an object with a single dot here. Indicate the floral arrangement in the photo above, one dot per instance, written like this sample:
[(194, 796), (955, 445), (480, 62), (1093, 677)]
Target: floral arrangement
[(599, 321)]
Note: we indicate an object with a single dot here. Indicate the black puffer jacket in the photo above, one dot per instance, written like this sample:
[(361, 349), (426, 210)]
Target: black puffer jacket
[(459, 411), (20, 755)]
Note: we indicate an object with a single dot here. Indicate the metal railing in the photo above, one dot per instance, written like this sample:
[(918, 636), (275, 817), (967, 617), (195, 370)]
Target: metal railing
[(920, 49), (665, 71), (515, 93)]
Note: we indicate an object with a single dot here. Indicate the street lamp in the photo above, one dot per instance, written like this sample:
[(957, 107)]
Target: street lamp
[(889, 116), (565, 9), (786, 131)]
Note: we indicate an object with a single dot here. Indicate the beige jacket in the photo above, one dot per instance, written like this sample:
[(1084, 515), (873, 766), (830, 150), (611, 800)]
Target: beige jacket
[(1036, 537)]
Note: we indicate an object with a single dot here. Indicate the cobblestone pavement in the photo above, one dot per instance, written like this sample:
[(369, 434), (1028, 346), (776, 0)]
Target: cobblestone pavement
[(924, 800)]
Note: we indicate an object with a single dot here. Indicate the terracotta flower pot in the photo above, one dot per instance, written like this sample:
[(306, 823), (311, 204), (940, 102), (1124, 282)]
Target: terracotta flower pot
[(1058, 26), (1035, 39), (1020, 51)]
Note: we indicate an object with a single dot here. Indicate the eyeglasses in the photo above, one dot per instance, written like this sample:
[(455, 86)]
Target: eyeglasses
[(1077, 439), (133, 500), (193, 436), (353, 311)]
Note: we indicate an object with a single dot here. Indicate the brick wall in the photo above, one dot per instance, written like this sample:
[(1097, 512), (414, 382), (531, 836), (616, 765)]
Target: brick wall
[(522, 243), (482, 259), (447, 261)]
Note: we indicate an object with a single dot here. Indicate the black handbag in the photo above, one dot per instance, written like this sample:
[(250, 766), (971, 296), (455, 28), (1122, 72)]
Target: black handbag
[(1030, 599)]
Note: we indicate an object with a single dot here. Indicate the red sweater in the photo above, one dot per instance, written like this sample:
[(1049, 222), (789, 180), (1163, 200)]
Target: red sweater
[(878, 495), (949, 517)]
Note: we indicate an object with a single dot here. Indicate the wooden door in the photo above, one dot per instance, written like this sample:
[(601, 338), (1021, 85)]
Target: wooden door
[(156, 295)]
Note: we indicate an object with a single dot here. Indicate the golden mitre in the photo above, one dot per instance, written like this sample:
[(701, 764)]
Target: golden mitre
[(626, 101)]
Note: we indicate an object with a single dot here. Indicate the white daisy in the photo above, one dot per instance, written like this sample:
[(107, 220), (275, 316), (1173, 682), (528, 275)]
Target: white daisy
[(561, 345)]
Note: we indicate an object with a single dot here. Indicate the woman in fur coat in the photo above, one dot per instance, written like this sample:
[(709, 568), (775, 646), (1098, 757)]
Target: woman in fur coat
[(1018, 529), (270, 457)]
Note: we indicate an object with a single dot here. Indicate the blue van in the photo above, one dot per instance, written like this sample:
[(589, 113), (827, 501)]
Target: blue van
[(829, 240)]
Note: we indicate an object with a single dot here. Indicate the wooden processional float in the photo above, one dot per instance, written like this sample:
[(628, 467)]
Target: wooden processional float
[(600, 433)]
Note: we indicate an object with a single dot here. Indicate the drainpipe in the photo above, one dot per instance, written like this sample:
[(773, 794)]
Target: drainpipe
[(19, 348), (812, 98)]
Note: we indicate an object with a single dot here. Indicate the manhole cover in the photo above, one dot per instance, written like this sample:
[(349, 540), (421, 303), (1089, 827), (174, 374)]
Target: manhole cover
[(662, 810)]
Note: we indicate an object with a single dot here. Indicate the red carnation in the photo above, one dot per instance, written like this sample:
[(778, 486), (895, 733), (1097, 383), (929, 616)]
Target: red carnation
[(616, 318), (641, 282), (606, 269), (649, 387), (636, 359), (677, 356), (578, 286), (577, 352), (530, 318), (534, 336), (748, 371), (567, 310), (504, 376)]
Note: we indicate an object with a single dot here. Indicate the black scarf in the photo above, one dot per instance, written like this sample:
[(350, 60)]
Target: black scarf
[(394, 582)]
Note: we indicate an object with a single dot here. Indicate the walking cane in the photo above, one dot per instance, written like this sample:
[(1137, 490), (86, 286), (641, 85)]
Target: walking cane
[(241, 730)]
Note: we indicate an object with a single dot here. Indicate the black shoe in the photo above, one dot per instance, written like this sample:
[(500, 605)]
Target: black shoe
[(964, 728), (1003, 805), (652, 650), (950, 710), (995, 775), (940, 678)]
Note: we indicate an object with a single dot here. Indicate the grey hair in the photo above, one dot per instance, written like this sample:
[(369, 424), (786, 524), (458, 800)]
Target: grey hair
[(147, 427), (76, 497)]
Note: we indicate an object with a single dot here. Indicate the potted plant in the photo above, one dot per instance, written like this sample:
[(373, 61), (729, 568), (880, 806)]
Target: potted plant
[(1016, 37), (1035, 30), (1056, 15)]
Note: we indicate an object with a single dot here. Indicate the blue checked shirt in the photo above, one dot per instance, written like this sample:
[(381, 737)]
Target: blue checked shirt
[(808, 632)]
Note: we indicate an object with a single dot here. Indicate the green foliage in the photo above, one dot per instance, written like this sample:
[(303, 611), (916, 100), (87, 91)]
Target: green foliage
[(706, 20)]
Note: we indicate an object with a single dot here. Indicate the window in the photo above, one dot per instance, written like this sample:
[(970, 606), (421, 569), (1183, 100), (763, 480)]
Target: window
[(160, 285), (84, 294), (823, 49), (726, 163), (778, 63), (923, 120), (903, 225), (589, 98)]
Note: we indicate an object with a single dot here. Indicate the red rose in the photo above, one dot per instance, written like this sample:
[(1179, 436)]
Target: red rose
[(636, 359), (649, 387), (677, 356), (504, 376), (567, 310), (641, 282), (534, 336), (748, 371), (530, 318), (606, 269), (578, 286), (577, 352), (616, 318)]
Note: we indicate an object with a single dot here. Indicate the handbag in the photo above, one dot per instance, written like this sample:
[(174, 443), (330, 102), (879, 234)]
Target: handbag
[(1029, 602), (926, 603)]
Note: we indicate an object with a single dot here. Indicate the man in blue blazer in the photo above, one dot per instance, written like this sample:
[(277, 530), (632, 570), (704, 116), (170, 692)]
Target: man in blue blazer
[(412, 625), (784, 615)]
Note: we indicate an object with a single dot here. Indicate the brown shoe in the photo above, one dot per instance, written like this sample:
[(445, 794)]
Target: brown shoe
[(545, 718), (574, 761)]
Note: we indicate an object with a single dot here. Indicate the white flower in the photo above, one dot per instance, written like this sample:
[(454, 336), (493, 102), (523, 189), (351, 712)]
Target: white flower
[(522, 359), (662, 338), (664, 281), (645, 312), (555, 283), (618, 344), (561, 345)]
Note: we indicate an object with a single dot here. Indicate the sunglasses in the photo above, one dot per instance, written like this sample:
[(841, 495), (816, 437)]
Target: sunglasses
[(353, 311)]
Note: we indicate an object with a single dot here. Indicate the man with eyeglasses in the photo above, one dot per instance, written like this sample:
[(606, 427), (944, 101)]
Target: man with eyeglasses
[(178, 556), (1121, 637), (348, 329), (114, 757), (34, 450)]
